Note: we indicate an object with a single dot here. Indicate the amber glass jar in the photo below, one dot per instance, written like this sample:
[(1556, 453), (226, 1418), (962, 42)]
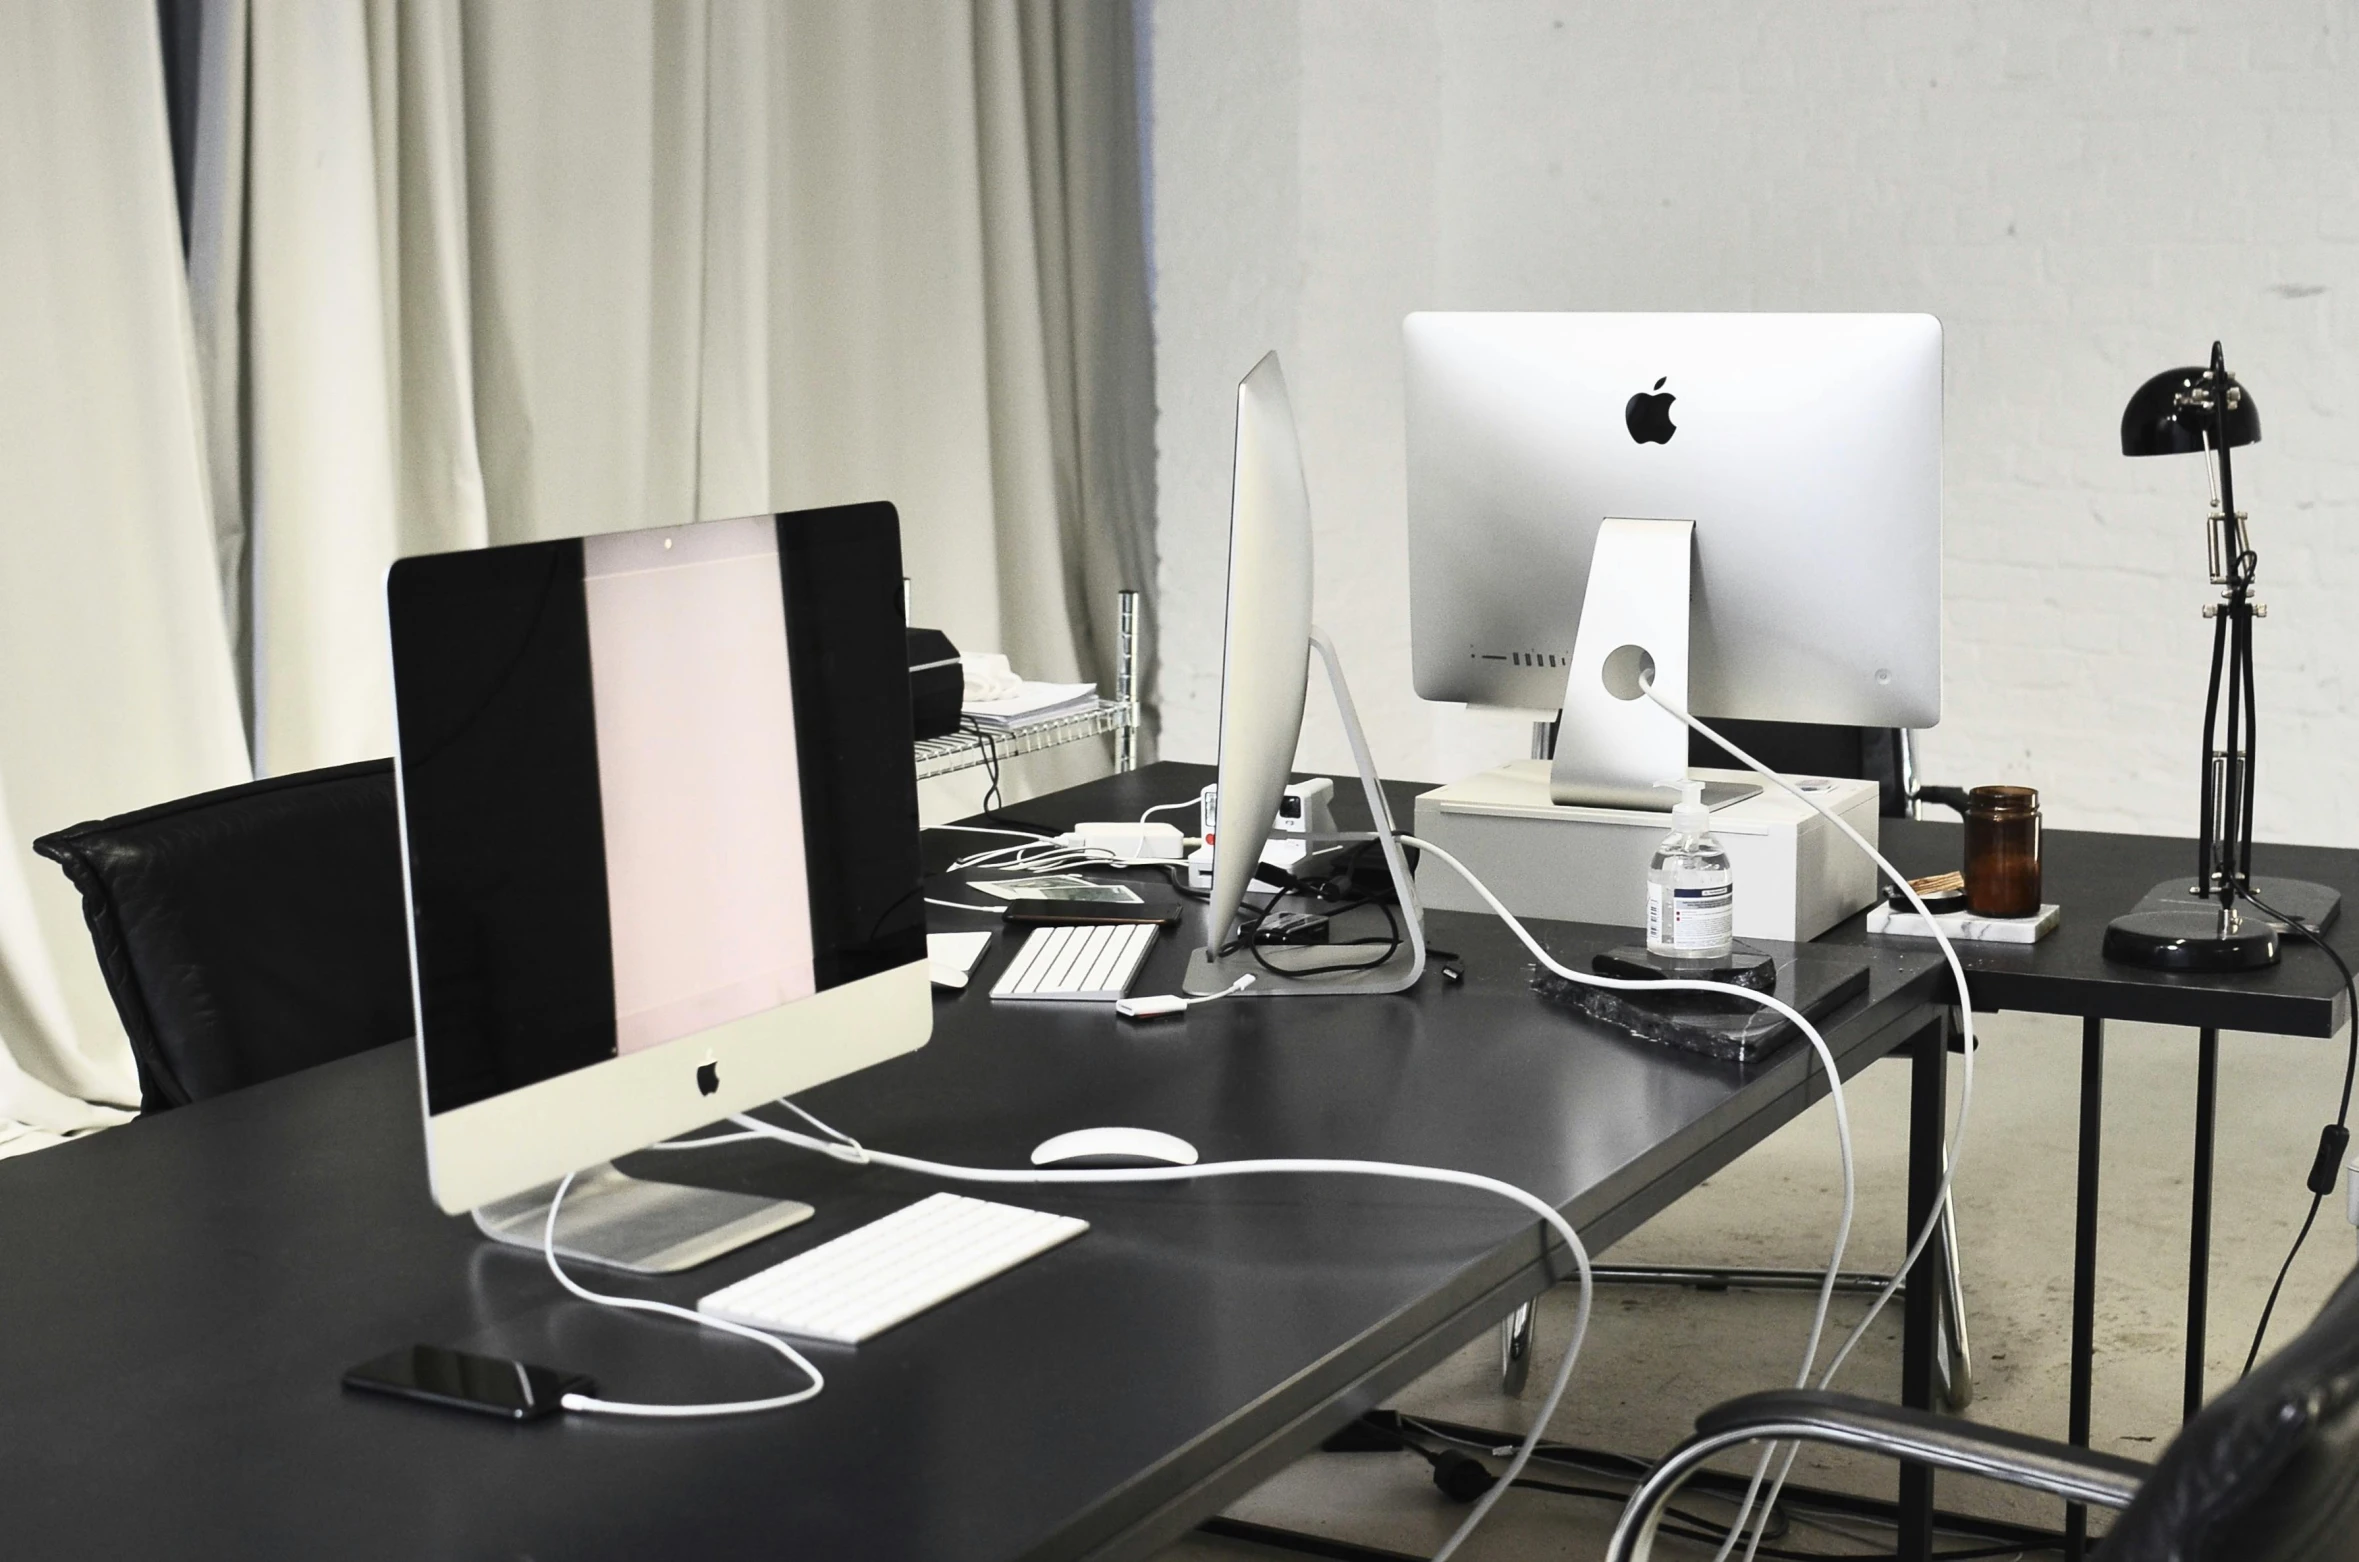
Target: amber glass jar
[(2003, 851)]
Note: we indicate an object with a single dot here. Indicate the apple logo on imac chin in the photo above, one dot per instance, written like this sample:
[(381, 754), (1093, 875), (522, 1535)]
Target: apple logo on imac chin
[(708, 1076), (1649, 415)]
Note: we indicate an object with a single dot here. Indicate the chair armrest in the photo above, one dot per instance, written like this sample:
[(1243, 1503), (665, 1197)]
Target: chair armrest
[(1845, 1420)]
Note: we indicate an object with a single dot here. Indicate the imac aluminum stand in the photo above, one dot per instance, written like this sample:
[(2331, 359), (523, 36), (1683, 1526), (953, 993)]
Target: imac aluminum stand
[(1210, 971), (648, 1228), (1614, 749)]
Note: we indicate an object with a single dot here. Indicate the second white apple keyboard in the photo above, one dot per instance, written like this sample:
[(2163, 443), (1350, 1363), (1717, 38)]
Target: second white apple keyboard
[(860, 1284), (1080, 964)]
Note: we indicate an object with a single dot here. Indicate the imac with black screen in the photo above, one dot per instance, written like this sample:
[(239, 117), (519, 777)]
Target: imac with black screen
[(1749, 503), (659, 822)]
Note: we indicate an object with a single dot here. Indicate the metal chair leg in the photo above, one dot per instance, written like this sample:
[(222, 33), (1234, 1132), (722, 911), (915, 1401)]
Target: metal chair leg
[(1515, 1349), (1956, 1358)]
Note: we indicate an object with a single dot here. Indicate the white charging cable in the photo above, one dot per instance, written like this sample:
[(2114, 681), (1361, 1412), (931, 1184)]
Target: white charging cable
[(962, 905), (1159, 1004), (843, 1147), (1053, 853), (611, 1407), (1956, 1135), (1010, 856), (986, 829)]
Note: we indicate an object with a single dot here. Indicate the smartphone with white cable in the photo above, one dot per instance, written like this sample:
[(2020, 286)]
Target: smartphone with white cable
[(461, 1380)]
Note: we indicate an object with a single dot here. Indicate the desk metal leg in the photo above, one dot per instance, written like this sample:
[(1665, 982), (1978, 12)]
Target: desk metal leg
[(1928, 1116), (2199, 1235), (2084, 1268), (1515, 1349)]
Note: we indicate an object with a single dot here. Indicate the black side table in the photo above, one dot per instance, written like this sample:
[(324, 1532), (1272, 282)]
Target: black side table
[(2094, 877)]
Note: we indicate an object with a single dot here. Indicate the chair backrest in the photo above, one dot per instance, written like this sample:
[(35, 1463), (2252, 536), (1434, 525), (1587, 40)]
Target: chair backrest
[(250, 932), (2268, 1471), (1798, 748)]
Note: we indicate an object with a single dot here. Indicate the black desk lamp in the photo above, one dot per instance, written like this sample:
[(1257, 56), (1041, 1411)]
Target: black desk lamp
[(2199, 926)]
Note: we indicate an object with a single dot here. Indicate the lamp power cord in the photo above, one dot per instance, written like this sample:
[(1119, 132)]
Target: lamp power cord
[(2334, 1140)]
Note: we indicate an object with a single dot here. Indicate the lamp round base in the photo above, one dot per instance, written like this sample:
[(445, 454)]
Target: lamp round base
[(2191, 939)]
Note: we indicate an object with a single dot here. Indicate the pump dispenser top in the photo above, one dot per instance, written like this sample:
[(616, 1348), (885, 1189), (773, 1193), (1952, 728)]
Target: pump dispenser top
[(1689, 816)]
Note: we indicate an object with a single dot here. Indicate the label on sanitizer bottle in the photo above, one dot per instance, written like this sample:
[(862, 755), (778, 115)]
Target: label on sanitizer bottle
[(1690, 911)]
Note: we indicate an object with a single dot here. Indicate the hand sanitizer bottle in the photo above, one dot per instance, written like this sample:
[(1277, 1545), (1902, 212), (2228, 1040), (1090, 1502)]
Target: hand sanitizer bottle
[(1690, 893)]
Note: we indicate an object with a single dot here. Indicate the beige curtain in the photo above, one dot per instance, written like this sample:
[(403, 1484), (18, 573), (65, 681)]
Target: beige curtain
[(469, 272), (501, 271), (115, 673)]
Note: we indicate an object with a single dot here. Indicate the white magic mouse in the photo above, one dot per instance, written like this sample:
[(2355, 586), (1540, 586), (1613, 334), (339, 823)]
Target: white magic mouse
[(1114, 1147)]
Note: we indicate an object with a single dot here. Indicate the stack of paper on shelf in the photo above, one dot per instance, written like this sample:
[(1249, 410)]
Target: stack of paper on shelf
[(1032, 702)]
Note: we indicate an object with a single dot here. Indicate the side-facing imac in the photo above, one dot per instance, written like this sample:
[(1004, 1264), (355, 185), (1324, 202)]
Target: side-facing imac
[(660, 829), (1749, 502), (1265, 668)]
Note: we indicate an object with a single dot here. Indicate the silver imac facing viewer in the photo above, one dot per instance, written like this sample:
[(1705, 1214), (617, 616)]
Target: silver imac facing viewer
[(660, 831), (1802, 452)]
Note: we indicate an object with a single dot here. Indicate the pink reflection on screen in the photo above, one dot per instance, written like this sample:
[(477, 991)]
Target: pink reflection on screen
[(705, 885)]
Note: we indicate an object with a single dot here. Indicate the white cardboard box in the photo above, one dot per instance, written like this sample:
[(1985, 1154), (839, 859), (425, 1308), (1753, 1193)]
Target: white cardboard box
[(1796, 874)]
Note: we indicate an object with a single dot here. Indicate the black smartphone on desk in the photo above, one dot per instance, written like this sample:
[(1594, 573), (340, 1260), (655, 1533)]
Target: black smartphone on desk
[(460, 1380), (1084, 913)]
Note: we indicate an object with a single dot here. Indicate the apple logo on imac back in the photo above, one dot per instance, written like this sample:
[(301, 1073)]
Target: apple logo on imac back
[(708, 1077), (1649, 415)]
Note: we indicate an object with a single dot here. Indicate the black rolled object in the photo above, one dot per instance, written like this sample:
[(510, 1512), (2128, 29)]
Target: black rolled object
[(937, 683)]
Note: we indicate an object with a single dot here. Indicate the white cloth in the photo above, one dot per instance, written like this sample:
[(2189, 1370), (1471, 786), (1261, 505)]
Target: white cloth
[(987, 676)]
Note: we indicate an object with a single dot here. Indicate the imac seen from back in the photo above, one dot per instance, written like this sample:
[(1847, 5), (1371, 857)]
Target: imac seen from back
[(659, 827), (1749, 502)]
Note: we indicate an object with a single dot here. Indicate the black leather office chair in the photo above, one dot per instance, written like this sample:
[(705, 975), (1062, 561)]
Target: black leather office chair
[(2267, 1472), (249, 932)]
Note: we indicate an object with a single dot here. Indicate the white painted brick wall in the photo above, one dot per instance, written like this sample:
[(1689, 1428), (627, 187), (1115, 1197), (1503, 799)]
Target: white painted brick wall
[(2084, 193)]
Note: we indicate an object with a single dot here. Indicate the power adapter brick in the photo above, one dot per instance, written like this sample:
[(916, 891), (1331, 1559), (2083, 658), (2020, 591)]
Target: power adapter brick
[(1146, 841)]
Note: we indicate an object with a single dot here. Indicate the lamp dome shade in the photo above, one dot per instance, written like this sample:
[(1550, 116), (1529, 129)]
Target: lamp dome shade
[(2154, 424)]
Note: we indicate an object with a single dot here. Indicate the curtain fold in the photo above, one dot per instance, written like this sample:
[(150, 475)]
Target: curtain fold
[(464, 275), (1075, 354), (431, 321), (117, 689), (318, 374)]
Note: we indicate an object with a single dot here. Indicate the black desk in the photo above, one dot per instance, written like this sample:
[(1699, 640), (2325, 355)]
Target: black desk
[(2096, 877), (178, 1297)]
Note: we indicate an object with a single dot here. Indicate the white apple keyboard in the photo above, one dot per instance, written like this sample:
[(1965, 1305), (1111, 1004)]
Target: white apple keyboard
[(1082, 964), (862, 1283)]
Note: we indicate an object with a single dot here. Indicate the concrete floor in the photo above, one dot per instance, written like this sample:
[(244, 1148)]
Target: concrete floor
[(1654, 1358)]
